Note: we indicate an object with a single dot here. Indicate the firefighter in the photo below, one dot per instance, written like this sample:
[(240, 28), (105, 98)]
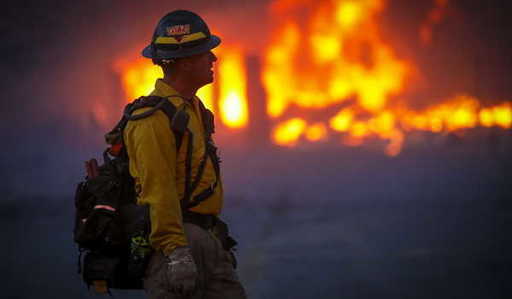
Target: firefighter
[(182, 185)]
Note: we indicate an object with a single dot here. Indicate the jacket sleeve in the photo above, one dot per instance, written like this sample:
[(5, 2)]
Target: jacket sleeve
[(151, 148)]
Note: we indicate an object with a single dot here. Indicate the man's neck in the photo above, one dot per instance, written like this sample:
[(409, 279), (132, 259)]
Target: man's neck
[(181, 86)]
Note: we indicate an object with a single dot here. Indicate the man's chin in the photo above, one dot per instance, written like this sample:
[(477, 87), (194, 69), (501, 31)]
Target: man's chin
[(206, 82), (209, 80)]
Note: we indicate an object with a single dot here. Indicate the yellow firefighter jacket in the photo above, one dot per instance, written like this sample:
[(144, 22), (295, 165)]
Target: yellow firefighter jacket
[(159, 171)]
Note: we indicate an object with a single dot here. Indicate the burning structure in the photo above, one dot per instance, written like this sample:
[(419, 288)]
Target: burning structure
[(328, 74), (319, 83)]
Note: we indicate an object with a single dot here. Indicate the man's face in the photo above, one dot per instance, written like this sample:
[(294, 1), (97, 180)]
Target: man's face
[(199, 68)]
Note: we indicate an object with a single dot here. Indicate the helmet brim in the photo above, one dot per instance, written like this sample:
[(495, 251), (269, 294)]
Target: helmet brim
[(212, 42)]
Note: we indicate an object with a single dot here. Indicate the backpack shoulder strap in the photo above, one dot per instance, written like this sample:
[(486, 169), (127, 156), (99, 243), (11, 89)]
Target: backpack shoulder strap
[(211, 151), (178, 118), (208, 119)]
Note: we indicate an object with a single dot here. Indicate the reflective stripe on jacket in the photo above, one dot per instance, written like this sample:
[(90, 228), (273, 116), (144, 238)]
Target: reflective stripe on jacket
[(159, 171)]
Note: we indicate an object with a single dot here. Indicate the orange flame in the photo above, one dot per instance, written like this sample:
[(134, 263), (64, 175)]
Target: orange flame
[(232, 85), (336, 55), (316, 132), (499, 115), (138, 77), (329, 55), (289, 132), (321, 62)]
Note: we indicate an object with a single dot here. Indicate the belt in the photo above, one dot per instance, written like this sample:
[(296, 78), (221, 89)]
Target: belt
[(205, 221)]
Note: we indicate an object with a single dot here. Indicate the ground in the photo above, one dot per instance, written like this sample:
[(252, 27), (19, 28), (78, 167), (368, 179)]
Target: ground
[(340, 224)]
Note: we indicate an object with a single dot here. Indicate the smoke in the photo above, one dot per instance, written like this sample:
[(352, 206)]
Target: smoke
[(468, 50)]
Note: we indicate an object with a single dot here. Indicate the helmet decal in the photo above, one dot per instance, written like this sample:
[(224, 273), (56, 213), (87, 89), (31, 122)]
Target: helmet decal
[(178, 29)]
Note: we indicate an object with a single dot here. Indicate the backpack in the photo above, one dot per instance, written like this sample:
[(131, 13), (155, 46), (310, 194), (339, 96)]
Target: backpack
[(110, 228)]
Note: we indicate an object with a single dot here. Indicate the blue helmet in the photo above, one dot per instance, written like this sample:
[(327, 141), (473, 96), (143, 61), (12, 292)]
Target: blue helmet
[(180, 33)]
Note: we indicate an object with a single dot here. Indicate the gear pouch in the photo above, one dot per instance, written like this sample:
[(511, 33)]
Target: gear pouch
[(98, 267), (95, 231)]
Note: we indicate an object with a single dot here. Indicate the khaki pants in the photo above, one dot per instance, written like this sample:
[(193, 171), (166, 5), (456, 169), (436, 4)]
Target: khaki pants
[(217, 277)]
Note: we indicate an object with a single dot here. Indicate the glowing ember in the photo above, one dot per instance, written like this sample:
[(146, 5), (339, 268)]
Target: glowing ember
[(289, 132), (502, 115), (316, 132), (341, 122)]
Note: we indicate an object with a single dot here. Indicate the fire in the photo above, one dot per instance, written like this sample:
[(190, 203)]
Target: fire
[(330, 57), (461, 112), (458, 113), (289, 132), (348, 14), (316, 132), (232, 85), (321, 63), (278, 61), (341, 122), (138, 78), (331, 53), (501, 116)]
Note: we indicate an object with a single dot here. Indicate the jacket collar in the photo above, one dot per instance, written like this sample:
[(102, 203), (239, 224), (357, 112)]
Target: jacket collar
[(165, 90)]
